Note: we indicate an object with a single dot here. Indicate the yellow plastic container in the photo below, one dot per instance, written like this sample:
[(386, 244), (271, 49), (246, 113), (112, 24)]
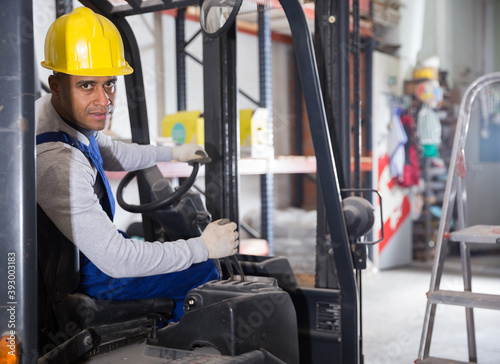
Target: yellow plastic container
[(246, 127), (429, 73), (184, 127), (189, 127)]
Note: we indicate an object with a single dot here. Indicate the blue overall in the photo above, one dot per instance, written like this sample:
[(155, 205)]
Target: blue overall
[(101, 286)]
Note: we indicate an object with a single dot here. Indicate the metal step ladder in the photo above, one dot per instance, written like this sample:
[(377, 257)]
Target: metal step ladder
[(455, 200)]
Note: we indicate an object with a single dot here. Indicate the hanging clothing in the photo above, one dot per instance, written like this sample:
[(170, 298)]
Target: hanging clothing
[(396, 149), (429, 131), (411, 169)]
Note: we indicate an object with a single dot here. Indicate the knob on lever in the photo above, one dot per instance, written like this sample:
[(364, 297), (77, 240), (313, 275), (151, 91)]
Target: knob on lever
[(223, 222)]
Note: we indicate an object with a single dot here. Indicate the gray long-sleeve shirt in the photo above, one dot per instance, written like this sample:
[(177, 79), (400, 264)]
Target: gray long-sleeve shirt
[(68, 193)]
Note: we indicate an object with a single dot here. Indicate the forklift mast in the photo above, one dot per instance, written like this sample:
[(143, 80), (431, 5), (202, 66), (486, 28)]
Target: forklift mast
[(17, 165), (18, 290)]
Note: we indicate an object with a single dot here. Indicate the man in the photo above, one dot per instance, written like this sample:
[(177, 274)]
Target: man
[(85, 52)]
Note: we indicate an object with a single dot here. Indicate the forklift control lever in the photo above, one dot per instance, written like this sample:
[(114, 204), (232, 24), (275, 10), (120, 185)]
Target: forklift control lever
[(156, 318), (232, 260)]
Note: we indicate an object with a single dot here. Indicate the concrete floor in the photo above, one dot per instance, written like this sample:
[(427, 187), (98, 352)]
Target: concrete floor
[(393, 305)]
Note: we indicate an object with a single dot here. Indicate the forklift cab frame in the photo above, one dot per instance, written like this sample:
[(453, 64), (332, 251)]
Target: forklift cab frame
[(334, 339)]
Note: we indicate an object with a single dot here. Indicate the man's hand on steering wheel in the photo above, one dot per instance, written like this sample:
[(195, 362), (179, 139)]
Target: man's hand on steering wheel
[(190, 153)]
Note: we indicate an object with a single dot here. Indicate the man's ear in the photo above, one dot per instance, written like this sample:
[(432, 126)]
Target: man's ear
[(55, 85)]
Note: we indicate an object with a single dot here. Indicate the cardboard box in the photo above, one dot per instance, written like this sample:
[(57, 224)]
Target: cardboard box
[(409, 86)]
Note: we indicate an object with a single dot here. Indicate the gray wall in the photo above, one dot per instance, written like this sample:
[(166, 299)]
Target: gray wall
[(460, 32)]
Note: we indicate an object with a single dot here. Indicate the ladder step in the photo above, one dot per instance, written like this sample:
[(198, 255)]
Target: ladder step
[(465, 299), (485, 234), (432, 360)]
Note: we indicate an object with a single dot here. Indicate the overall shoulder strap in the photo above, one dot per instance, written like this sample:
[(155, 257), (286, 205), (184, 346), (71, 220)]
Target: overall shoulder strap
[(92, 152), (60, 136)]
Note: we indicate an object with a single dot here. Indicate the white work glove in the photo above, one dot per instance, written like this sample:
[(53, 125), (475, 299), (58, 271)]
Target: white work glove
[(221, 239), (190, 153)]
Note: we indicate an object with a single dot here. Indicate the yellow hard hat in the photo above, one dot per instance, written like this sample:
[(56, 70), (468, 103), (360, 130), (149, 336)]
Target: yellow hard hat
[(84, 43)]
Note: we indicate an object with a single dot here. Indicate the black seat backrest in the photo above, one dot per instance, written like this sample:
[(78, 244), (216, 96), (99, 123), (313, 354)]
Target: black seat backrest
[(60, 308), (58, 259)]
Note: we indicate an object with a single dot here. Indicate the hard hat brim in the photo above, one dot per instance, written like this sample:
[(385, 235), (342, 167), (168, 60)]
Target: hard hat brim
[(100, 72)]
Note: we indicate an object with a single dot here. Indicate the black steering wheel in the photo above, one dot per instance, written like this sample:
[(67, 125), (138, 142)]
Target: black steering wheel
[(160, 204)]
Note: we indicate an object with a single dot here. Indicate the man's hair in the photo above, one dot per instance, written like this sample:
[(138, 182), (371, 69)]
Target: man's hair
[(62, 77)]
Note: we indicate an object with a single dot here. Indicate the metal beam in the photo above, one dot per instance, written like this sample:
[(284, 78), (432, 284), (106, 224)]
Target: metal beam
[(327, 174), (18, 248), (298, 143), (357, 94), (221, 125), (160, 71), (331, 43), (180, 46), (119, 11), (266, 101), (63, 7)]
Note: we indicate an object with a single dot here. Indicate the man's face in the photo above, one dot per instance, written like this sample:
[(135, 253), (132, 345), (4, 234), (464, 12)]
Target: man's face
[(84, 100)]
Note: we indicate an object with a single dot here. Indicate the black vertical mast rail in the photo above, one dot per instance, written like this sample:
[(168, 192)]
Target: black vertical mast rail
[(18, 246), (327, 174), (331, 44), (221, 125), (332, 50), (357, 94), (180, 45), (266, 101), (298, 144), (357, 146), (63, 7)]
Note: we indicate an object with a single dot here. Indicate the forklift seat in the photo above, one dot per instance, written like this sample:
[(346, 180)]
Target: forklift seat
[(59, 305)]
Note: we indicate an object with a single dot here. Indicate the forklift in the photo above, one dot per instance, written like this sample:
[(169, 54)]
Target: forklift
[(256, 312)]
